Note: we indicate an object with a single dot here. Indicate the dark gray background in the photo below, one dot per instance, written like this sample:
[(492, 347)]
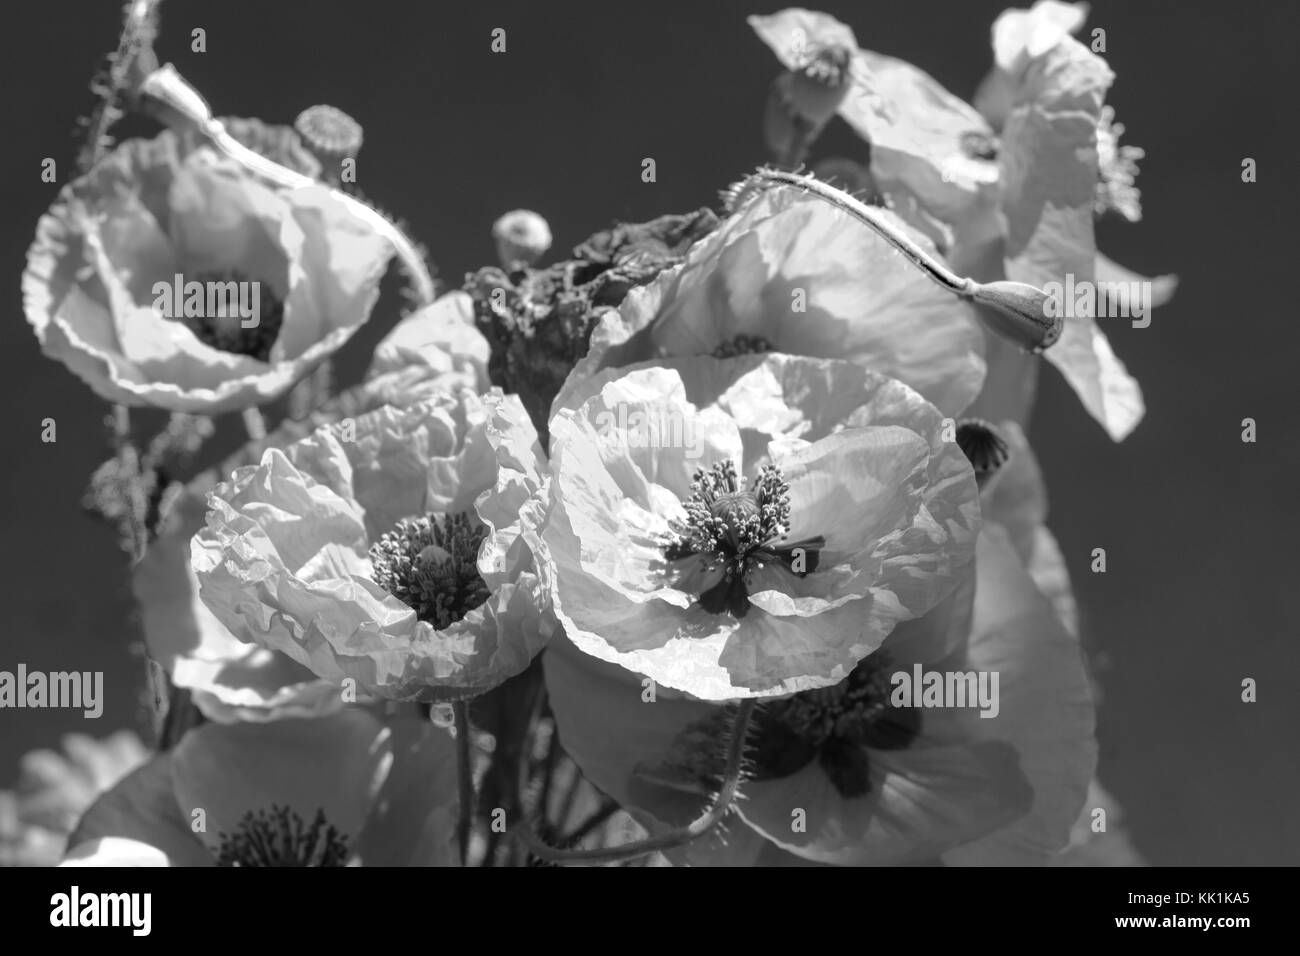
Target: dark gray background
[(1199, 528)]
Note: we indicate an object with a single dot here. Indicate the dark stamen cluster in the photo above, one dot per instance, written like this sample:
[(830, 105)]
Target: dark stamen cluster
[(837, 724), (224, 329), (828, 66), (431, 564), (742, 345), (279, 837), (733, 529), (983, 447)]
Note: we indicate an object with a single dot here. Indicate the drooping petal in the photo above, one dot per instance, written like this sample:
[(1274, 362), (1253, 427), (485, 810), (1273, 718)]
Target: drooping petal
[(440, 337), (1049, 175), (1045, 708), (1018, 37), (796, 273)]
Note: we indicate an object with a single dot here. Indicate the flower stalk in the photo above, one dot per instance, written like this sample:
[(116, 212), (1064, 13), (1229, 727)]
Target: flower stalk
[(464, 778)]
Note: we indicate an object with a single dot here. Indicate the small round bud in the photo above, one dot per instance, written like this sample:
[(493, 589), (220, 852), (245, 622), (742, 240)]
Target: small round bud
[(522, 237), (330, 134)]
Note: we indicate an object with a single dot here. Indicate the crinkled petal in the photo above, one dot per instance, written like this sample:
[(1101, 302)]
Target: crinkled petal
[(1113, 276), (441, 337), (342, 261)]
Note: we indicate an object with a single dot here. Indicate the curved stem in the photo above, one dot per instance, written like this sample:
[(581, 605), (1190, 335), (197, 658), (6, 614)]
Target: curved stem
[(254, 423), (1019, 311), (933, 268), (717, 811)]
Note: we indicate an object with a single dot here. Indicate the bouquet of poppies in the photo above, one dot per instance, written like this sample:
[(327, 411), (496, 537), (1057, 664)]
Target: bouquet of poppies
[(717, 541)]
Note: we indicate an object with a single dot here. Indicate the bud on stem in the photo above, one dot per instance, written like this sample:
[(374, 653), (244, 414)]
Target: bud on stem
[(1015, 311)]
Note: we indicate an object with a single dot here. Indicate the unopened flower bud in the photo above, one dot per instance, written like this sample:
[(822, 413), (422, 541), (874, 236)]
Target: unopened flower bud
[(330, 134), (522, 237), (1018, 312)]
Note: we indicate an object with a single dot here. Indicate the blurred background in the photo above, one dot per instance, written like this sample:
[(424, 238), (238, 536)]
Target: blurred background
[(1196, 524)]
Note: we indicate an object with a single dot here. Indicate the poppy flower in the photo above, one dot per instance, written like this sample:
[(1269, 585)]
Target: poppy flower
[(750, 526), (840, 775), (433, 350), (342, 790), (385, 550), (170, 276)]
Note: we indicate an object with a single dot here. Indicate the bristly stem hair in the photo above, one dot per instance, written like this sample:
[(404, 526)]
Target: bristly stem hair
[(134, 52)]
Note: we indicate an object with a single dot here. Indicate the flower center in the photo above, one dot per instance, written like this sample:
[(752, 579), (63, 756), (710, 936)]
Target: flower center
[(983, 447), (733, 530), (742, 345), (431, 564), (230, 303), (279, 837), (834, 726)]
